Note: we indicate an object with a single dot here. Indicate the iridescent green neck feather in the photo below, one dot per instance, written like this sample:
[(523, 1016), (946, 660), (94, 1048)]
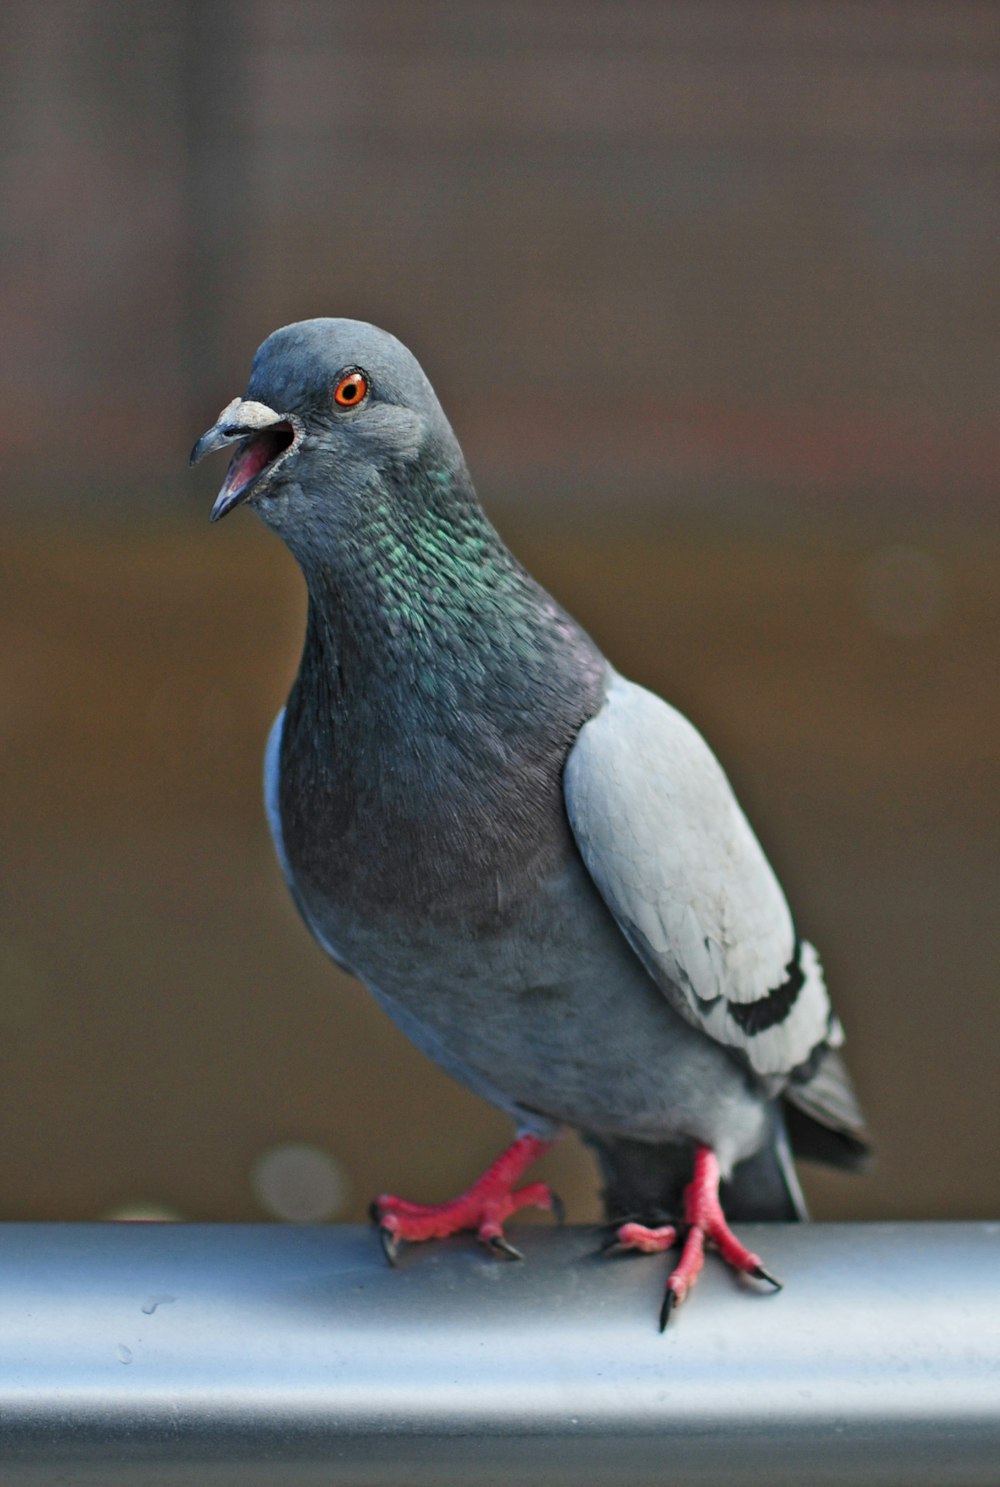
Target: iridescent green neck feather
[(440, 687)]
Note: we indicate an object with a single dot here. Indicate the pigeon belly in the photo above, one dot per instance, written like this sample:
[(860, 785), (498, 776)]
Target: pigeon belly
[(550, 1015)]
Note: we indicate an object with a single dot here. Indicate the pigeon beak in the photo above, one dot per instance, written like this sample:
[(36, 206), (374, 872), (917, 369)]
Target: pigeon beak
[(265, 434)]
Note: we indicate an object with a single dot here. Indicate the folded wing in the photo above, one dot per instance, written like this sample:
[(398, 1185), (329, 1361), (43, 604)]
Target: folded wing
[(674, 857)]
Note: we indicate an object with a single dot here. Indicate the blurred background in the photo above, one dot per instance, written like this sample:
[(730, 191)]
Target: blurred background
[(708, 290)]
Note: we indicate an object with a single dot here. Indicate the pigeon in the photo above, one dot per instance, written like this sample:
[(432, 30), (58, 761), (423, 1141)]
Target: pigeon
[(537, 867)]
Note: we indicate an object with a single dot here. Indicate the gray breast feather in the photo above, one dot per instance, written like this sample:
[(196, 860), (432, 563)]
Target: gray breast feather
[(677, 863), (272, 806)]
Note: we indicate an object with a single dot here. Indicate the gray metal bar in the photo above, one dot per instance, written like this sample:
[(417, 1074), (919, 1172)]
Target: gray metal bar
[(251, 1355)]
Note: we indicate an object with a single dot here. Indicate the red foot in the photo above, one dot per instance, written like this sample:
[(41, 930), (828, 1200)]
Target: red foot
[(483, 1207), (706, 1221)]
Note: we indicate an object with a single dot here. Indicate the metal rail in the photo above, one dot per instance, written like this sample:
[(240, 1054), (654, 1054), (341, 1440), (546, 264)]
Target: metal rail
[(250, 1355)]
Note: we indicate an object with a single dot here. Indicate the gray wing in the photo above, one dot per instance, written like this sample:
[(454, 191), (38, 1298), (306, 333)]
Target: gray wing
[(676, 861)]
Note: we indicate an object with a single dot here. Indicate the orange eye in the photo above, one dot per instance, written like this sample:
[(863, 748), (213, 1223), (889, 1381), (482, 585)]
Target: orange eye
[(351, 390)]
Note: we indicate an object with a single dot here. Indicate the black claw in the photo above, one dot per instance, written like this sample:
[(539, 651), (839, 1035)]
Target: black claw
[(503, 1248), (374, 1212), (558, 1208), (759, 1273), (614, 1246), (669, 1302), (390, 1243)]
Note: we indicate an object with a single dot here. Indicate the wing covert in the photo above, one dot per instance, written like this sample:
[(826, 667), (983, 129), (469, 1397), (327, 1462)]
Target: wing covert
[(678, 864)]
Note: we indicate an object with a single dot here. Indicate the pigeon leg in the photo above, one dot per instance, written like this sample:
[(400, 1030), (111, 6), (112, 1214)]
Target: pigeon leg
[(482, 1208), (706, 1223)]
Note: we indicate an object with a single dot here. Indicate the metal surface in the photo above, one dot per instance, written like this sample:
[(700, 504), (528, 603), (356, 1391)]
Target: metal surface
[(249, 1355)]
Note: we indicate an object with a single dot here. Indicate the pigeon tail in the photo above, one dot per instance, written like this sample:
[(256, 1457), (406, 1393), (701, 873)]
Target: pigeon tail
[(824, 1119)]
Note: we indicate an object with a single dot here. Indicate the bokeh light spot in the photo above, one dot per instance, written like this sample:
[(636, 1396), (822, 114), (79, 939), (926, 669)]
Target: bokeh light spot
[(300, 1183), (142, 1212)]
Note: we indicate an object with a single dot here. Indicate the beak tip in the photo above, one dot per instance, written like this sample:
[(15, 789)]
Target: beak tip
[(225, 502), (203, 446)]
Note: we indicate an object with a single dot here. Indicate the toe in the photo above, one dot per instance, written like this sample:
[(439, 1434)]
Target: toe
[(642, 1238)]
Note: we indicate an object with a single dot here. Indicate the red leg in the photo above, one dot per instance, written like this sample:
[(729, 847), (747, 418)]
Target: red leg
[(703, 1212), (482, 1208), (706, 1223)]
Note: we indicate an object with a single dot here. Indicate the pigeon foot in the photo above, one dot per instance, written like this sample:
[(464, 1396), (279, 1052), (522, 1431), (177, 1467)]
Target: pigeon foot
[(482, 1208), (706, 1223)]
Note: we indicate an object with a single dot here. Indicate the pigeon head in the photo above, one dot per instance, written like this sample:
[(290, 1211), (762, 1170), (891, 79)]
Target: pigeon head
[(333, 408)]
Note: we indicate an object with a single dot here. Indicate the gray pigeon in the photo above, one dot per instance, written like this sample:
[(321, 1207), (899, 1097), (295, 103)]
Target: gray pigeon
[(537, 867)]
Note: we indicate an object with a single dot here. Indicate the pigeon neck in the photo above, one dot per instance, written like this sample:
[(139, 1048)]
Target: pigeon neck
[(439, 692), (423, 625), (422, 587)]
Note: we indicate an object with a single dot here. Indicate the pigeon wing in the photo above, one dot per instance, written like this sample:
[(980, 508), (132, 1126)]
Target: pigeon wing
[(675, 859)]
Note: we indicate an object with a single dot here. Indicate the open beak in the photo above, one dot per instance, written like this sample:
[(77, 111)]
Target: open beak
[(263, 435)]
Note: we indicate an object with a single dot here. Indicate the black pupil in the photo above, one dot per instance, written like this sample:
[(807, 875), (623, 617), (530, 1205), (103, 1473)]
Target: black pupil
[(349, 392)]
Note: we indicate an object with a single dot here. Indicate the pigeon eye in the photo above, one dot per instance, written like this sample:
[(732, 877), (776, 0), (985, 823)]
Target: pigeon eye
[(351, 390)]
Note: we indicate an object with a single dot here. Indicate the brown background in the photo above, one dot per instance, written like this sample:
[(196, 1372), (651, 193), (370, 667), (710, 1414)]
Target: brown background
[(708, 292)]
